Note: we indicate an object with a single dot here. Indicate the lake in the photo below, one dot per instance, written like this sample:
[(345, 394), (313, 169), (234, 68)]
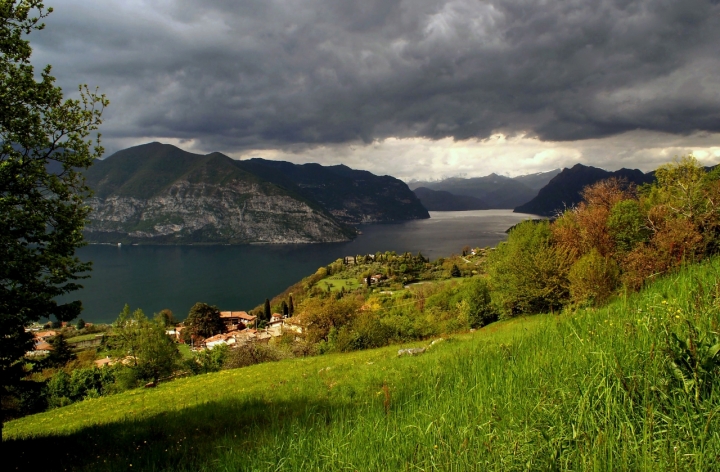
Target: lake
[(241, 277)]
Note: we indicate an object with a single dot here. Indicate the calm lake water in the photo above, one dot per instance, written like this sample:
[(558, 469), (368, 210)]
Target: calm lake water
[(241, 277)]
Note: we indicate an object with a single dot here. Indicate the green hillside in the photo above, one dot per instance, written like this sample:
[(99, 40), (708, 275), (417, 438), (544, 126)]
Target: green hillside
[(592, 389), (148, 170)]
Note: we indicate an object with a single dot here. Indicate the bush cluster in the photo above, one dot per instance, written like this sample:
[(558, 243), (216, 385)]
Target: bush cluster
[(619, 236)]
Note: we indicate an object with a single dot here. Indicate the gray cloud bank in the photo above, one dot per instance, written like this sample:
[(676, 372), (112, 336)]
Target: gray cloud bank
[(263, 74)]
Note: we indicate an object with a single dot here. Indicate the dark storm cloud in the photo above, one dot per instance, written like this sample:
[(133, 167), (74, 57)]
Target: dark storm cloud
[(265, 73)]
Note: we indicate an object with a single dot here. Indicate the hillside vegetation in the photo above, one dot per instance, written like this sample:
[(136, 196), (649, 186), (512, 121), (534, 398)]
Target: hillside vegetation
[(596, 389), (617, 380), (565, 188)]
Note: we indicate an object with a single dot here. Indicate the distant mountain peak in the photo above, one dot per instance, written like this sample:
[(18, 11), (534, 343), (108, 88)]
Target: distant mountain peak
[(564, 190), (497, 191)]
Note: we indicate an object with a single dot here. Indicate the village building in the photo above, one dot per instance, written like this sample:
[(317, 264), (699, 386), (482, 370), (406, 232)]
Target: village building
[(236, 319), (103, 362), (225, 338), (44, 335), (275, 329), (292, 324), (175, 333), (374, 279), (42, 348)]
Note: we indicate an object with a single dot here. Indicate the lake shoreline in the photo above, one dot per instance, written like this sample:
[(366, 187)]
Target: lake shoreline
[(239, 277)]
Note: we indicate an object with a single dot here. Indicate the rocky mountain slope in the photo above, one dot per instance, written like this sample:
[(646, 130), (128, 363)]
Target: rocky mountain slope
[(563, 191), (439, 200), (160, 194), (351, 196)]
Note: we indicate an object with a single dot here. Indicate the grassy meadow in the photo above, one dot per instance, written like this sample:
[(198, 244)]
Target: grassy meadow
[(589, 389)]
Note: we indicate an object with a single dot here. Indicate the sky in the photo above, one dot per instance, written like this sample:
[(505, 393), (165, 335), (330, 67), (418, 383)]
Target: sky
[(418, 89)]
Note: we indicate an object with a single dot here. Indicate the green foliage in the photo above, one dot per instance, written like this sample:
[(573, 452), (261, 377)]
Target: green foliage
[(80, 324), (144, 346), (593, 278), (165, 317), (61, 352), (203, 321), (455, 271), (44, 146), (627, 225), (319, 316), (680, 186), (251, 354), (694, 362), (64, 389), (207, 360), (469, 301), (528, 274), (589, 390), (266, 311)]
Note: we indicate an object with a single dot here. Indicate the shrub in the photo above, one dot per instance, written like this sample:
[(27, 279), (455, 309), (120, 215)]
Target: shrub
[(694, 362), (527, 273), (251, 354), (626, 224), (207, 360), (64, 389), (320, 315), (481, 309), (593, 278)]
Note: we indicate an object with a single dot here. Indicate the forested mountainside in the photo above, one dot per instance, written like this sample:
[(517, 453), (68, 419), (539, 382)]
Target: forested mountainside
[(157, 193), (563, 191), (352, 196)]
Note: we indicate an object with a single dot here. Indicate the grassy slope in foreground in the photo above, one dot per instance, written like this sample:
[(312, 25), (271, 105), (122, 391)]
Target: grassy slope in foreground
[(581, 391)]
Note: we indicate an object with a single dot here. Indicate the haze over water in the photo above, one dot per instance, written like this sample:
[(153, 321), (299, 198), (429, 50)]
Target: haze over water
[(241, 277)]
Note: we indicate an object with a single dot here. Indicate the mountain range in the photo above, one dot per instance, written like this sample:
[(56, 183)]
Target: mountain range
[(440, 200), (157, 193), (564, 190), (495, 191)]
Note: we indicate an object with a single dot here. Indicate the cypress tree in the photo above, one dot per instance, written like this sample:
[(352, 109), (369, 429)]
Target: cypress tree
[(61, 352), (291, 308), (266, 311)]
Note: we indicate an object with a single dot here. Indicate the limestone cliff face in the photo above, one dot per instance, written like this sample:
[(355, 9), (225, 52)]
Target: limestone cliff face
[(159, 194), (234, 213)]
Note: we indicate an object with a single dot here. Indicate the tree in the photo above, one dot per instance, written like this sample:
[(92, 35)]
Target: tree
[(318, 316), (455, 271), (266, 310), (528, 273), (152, 353), (61, 353), (285, 309), (44, 146), (204, 321), (165, 317), (80, 324), (291, 307)]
